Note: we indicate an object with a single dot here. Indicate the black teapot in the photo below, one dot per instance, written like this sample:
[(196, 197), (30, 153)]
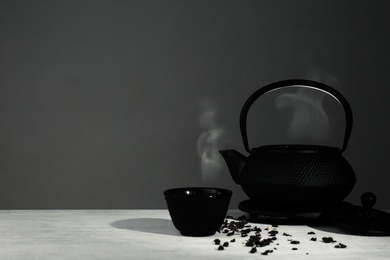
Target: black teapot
[(293, 176)]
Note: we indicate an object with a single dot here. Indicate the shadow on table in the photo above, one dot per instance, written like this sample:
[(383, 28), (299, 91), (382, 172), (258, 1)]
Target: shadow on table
[(336, 230), (148, 225)]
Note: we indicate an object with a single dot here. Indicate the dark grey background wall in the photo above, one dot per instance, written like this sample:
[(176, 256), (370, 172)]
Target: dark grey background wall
[(105, 104)]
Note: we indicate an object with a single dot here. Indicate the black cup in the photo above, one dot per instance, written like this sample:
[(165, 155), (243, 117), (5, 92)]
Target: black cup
[(198, 211)]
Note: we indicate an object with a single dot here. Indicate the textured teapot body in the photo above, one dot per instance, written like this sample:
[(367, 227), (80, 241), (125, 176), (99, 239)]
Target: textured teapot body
[(297, 176), (293, 177)]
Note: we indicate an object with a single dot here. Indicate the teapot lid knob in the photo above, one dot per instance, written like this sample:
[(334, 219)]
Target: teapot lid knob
[(368, 200), (362, 219)]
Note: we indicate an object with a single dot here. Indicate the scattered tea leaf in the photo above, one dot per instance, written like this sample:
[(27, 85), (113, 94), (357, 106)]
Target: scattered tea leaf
[(340, 246), (328, 240)]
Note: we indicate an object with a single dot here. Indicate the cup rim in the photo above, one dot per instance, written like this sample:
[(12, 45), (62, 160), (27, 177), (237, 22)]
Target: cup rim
[(195, 192)]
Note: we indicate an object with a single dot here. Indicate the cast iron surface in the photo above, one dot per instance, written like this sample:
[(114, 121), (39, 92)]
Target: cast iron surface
[(273, 215), (197, 211), (293, 174), (360, 219)]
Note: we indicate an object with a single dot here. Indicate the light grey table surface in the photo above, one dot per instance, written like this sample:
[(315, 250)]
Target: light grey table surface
[(150, 234)]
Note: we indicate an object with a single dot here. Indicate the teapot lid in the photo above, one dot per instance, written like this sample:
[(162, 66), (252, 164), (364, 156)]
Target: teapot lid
[(361, 219)]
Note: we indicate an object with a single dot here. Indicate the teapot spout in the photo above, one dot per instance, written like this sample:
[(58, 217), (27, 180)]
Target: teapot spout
[(235, 162)]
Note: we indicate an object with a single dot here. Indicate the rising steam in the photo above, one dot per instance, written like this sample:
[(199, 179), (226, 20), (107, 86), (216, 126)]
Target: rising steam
[(208, 141), (309, 119)]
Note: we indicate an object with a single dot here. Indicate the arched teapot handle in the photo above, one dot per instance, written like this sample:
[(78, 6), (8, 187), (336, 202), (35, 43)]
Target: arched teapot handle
[(296, 83)]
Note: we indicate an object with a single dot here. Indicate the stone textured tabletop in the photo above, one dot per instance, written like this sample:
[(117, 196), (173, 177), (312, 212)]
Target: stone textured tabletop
[(150, 234)]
